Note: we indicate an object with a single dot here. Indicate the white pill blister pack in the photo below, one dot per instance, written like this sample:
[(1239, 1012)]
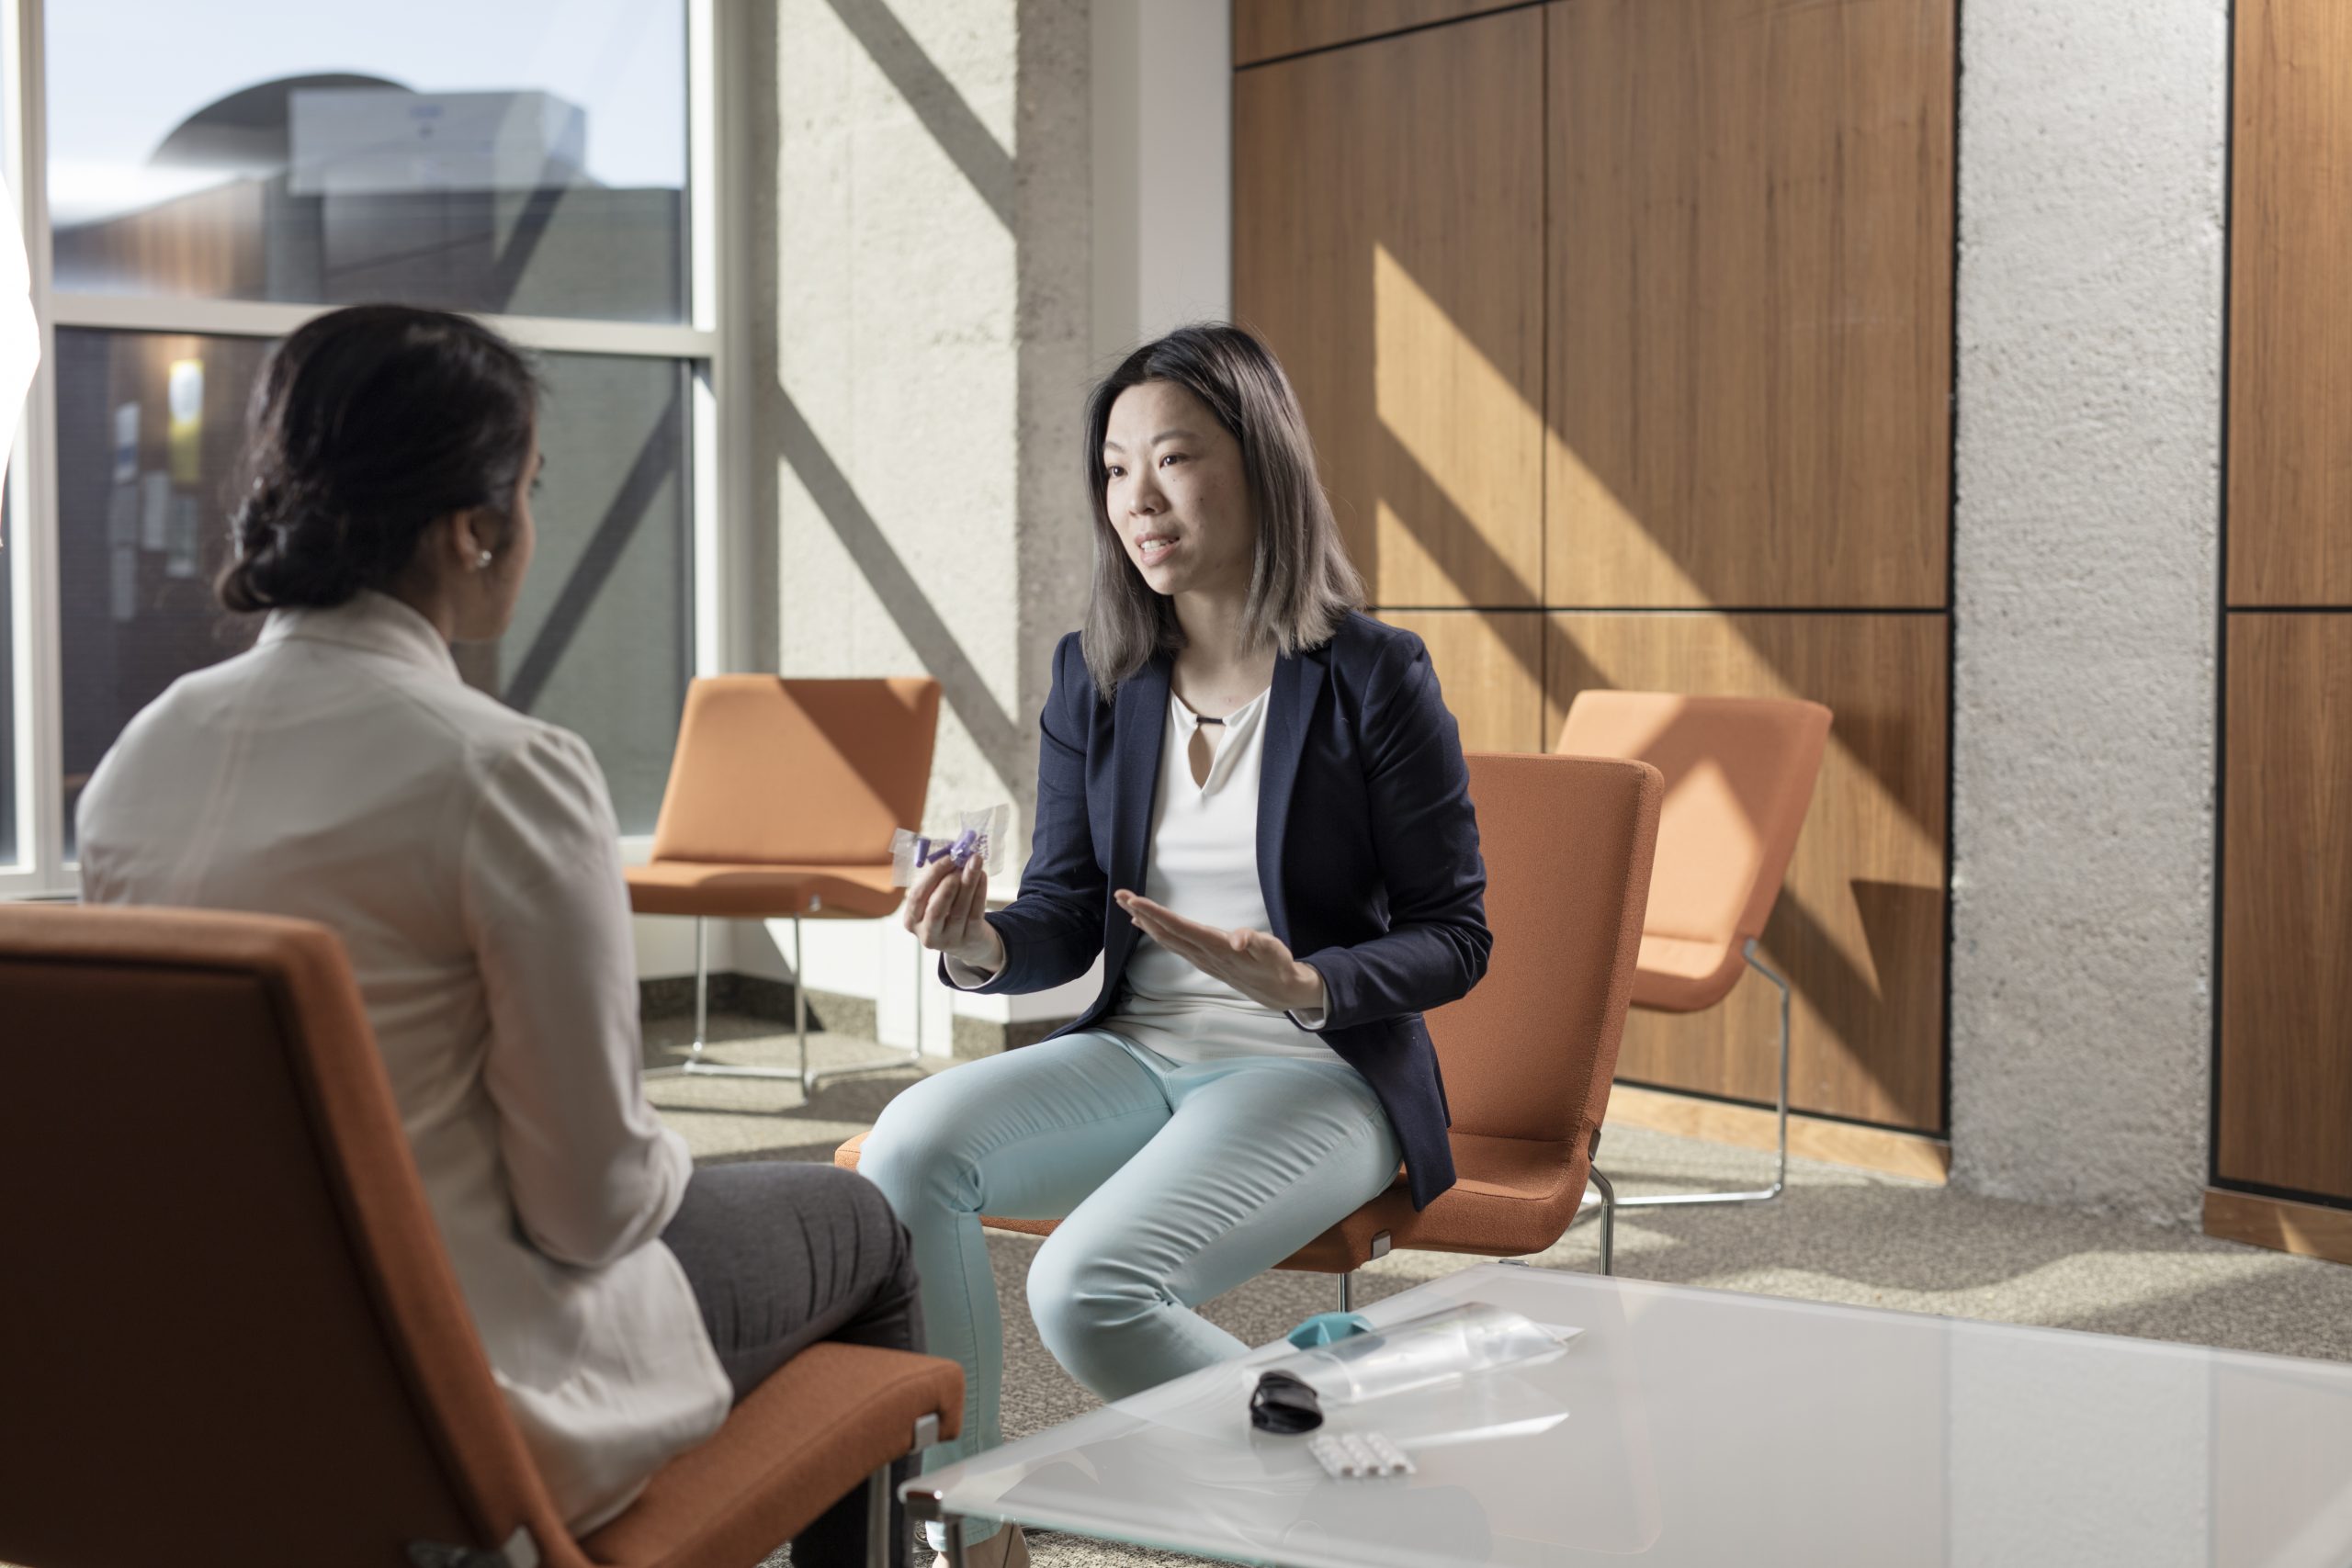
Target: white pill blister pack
[(1358, 1456)]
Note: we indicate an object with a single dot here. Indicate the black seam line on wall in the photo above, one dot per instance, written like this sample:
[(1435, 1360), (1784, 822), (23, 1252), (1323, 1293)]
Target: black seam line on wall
[(1680, 1091), (926, 89), (656, 463), (2222, 613), (1394, 33), (1951, 575), (1543, 336), (918, 620), (2283, 609), (2283, 1194)]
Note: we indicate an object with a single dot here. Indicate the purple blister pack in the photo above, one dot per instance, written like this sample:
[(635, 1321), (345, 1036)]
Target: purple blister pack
[(980, 835)]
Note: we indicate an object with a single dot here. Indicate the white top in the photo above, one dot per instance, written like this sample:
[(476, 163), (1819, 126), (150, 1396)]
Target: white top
[(467, 855), (1204, 866)]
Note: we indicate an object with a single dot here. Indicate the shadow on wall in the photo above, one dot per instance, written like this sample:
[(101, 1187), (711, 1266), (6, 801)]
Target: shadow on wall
[(994, 175), (934, 100), (918, 619), (1842, 961)]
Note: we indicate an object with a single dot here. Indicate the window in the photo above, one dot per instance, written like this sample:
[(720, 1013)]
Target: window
[(192, 200), (522, 158)]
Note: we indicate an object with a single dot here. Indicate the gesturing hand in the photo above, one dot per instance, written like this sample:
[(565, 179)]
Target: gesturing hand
[(1255, 963), (944, 909)]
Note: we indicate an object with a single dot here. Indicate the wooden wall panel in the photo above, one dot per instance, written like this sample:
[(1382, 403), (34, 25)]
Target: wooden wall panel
[(2290, 320), (2286, 1062), (1859, 928), (1750, 293), (1265, 30), (1491, 666), (1388, 243)]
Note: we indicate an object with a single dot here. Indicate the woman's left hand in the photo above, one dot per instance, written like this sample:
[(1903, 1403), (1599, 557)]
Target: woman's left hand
[(1255, 963)]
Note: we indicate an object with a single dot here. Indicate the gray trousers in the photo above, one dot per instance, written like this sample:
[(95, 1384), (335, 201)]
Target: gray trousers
[(780, 1257)]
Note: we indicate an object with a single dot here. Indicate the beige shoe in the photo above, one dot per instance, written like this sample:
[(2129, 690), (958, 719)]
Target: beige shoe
[(1006, 1549)]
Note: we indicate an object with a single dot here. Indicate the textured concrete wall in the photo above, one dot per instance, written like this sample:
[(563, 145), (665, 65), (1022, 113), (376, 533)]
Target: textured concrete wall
[(929, 239), (1055, 215), (931, 327), (2091, 168)]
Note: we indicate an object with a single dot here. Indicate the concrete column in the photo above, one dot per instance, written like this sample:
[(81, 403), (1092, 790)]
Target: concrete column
[(924, 321), (932, 315), (2093, 162)]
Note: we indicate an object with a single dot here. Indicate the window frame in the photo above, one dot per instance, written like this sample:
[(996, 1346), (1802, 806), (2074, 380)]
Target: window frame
[(720, 480)]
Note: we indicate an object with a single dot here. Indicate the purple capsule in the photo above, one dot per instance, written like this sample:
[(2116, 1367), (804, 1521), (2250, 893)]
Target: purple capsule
[(966, 845)]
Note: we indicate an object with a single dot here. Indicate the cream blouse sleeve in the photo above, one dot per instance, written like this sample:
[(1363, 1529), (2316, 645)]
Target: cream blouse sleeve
[(593, 1173)]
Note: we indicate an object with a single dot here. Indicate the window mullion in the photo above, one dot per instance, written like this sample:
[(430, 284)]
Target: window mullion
[(39, 738)]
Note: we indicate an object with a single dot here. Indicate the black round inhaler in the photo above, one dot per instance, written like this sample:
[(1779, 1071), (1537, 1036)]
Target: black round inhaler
[(1284, 1403)]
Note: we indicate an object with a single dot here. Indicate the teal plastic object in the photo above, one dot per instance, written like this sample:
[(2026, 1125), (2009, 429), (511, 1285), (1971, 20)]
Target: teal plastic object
[(1327, 1328)]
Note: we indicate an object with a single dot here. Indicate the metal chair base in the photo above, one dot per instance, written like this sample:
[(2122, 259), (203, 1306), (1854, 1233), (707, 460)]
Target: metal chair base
[(1781, 1166), (698, 1065)]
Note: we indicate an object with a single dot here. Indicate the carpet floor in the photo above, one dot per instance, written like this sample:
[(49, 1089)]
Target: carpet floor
[(1836, 1236)]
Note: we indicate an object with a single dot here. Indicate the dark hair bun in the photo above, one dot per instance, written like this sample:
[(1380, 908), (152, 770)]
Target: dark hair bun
[(370, 424), (290, 551)]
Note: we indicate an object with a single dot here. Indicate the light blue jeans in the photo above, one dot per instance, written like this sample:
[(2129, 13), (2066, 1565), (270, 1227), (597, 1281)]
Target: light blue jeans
[(1174, 1182)]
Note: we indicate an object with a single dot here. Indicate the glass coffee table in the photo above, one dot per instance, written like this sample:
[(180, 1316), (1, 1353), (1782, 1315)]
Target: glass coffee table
[(1691, 1426)]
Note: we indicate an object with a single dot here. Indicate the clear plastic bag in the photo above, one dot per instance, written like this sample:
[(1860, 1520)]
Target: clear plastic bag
[(1420, 1352), (981, 833)]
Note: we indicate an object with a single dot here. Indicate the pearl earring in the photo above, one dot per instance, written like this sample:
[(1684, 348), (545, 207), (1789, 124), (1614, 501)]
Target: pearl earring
[(481, 560)]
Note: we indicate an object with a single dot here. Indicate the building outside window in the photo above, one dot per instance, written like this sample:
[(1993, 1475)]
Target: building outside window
[(547, 165)]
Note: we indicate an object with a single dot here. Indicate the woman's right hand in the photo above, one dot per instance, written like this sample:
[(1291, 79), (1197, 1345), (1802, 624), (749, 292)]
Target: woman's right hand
[(943, 910)]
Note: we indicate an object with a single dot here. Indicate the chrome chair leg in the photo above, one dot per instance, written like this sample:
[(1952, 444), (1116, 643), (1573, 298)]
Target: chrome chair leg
[(694, 1061), (1347, 1292), (877, 1519), (698, 1065), (895, 1062), (1780, 1166), (800, 1004), (1608, 1220), (702, 988)]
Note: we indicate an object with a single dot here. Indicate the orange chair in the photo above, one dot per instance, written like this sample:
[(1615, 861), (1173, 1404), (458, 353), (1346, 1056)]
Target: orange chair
[(232, 1334), (1527, 1055), (1739, 775), (783, 795)]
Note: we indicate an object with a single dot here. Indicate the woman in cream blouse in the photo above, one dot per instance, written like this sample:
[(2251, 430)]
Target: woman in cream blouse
[(467, 854)]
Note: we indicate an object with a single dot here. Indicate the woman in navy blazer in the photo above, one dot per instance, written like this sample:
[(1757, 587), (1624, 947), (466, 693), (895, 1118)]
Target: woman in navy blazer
[(1251, 804)]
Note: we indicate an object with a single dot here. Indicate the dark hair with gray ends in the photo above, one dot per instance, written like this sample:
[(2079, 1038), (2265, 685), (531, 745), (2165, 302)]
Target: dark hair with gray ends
[(1302, 585)]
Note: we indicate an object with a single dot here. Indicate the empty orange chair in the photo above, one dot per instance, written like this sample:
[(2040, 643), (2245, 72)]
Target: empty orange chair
[(1739, 774), (232, 1334), (782, 798), (1528, 1055)]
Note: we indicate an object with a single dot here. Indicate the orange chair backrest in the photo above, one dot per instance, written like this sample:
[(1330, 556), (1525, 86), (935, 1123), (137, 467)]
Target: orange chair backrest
[(797, 772), (1739, 774), (1531, 1051), (229, 1318)]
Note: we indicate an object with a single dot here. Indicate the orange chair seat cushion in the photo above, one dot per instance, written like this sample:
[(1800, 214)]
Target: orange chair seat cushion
[(1685, 975), (1511, 1197), (721, 890), (812, 1432)]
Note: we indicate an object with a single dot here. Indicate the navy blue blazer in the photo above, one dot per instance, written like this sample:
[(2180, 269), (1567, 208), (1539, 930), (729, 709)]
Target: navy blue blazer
[(1367, 855)]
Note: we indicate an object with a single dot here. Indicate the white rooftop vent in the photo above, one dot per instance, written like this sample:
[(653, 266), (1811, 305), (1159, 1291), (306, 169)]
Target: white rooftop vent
[(386, 140)]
